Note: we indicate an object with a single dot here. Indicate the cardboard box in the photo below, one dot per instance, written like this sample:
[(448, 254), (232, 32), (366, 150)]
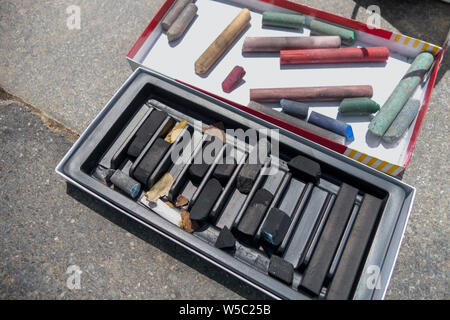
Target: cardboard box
[(153, 51)]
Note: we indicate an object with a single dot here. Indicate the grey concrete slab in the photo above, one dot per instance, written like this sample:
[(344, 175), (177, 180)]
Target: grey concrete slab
[(47, 226), (71, 74)]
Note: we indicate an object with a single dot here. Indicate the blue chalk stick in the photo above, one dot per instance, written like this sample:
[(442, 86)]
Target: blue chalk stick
[(336, 126)]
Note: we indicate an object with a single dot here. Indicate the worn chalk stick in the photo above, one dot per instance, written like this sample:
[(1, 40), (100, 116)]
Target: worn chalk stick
[(226, 239), (233, 79), (231, 209), (305, 168), (402, 93), (296, 122), (281, 269), (308, 223), (128, 185), (348, 36), (275, 226), (295, 109), (336, 126), (222, 43), (200, 167), (151, 160), (206, 200), (182, 22), (353, 255), (174, 13), (255, 213), (146, 131), (318, 267), (403, 121), (224, 170), (335, 55), (358, 107), (305, 94), (283, 20), (276, 44)]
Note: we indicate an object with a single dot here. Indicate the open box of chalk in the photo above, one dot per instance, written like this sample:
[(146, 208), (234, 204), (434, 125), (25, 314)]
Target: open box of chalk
[(242, 152)]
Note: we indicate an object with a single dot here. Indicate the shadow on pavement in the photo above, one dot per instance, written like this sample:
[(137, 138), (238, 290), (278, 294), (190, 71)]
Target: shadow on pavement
[(427, 20), (165, 245)]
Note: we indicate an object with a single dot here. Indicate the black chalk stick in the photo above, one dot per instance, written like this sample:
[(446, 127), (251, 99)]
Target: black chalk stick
[(320, 263), (206, 200), (305, 168), (276, 226), (225, 169), (255, 213), (199, 168), (281, 269), (353, 255), (226, 240), (151, 160), (145, 132)]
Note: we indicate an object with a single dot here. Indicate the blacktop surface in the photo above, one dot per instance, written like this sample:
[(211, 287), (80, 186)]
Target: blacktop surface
[(54, 81)]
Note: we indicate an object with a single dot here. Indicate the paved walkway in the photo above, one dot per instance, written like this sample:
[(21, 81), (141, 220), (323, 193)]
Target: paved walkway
[(69, 75)]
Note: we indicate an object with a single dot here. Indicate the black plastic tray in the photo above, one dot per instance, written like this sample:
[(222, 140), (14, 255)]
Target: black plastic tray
[(186, 103)]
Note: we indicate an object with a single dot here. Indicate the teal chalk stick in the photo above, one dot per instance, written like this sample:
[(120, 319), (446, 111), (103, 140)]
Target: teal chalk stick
[(403, 121), (404, 90)]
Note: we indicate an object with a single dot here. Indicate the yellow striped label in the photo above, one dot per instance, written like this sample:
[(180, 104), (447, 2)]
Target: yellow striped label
[(362, 157), (407, 39), (392, 170), (425, 46), (352, 153), (397, 37), (435, 49), (372, 161), (416, 43), (382, 165)]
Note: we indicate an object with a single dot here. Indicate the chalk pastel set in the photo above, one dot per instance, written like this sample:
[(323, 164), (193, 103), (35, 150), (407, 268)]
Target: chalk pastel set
[(292, 214)]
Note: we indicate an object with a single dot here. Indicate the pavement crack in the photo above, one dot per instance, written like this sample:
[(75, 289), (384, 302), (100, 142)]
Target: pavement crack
[(52, 124)]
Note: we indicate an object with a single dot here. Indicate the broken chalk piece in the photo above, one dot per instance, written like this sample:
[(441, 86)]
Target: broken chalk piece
[(283, 20), (234, 78), (206, 200), (173, 13), (276, 44), (275, 227), (305, 168), (281, 269), (402, 93), (339, 55), (182, 22), (295, 109), (331, 124), (358, 107), (348, 36), (403, 121), (255, 213), (226, 240), (223, 42), (128, 185), (224, 171)]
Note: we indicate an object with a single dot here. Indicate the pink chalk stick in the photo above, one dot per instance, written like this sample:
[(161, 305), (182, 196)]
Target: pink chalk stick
[(233, 79)]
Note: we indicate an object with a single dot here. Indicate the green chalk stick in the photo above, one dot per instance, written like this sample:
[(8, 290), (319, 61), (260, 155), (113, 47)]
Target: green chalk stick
[(404, 90), (358, 107), (283, 20), (348, 36), (403, 121)]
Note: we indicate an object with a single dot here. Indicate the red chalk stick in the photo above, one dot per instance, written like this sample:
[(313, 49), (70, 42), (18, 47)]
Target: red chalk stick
[(233, 79), (342, 55)]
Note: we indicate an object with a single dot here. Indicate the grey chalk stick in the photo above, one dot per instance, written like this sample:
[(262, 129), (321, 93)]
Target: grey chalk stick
[(403, 121), (128, 185)]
